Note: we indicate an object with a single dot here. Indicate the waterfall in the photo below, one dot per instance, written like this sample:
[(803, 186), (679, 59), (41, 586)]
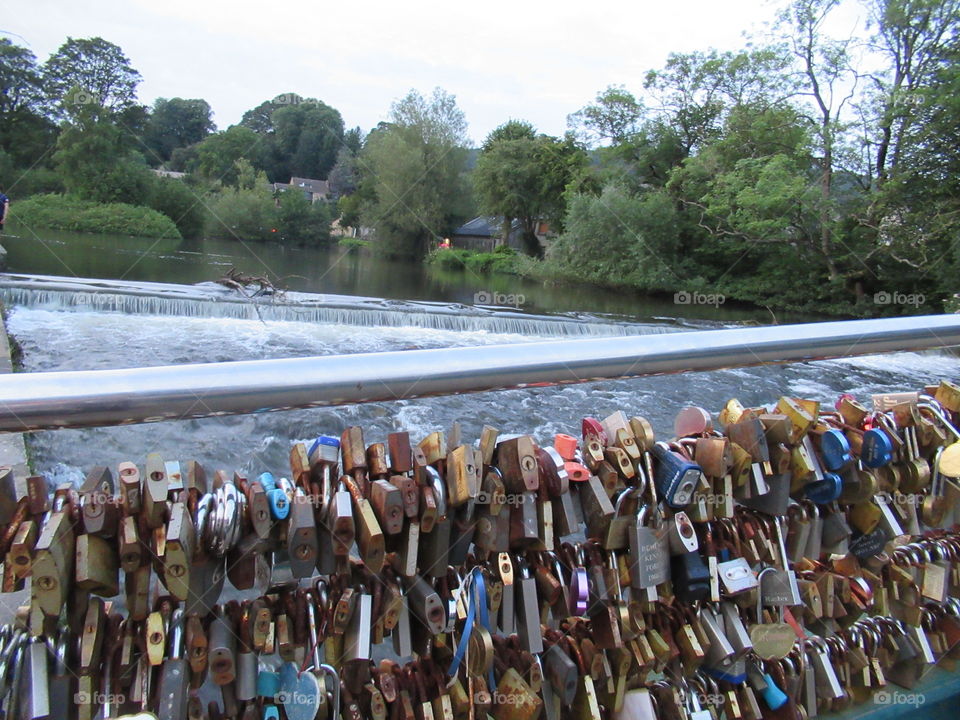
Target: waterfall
[(209, 300)]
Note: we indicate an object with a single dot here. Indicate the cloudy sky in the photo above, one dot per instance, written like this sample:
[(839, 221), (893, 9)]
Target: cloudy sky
[(536, 61)]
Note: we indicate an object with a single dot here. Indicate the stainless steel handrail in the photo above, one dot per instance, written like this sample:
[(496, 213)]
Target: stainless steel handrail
[(35, 401)]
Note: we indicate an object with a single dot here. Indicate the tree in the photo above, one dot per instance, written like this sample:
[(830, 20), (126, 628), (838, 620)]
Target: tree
[(97, 161), (218, 154), (618, 239), (307, 137), (826, 76), (301, 136), (89, 71), (614, 117), (413, 173), (177, 123), (25, 132), (521, 175)]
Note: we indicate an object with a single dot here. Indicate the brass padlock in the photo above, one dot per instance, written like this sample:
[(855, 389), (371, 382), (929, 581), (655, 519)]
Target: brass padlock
[(179, 551)]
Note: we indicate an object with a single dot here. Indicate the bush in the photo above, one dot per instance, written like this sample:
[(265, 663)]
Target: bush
[(352, 243), (37, 181), (179, 203), (244, 214), (498, 261), (66, 212), (254, 214)]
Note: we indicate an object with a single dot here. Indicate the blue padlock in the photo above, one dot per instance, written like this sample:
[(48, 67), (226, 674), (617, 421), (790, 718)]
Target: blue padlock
[(268, 684), (773, 696), (877, 449), (675, 476), (268, 481), (279, 504), (824, 491), (326, 443), (835, 449), (270, 712)]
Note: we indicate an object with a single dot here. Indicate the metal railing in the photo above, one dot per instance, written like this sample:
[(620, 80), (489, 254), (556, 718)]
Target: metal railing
[(35, 401)]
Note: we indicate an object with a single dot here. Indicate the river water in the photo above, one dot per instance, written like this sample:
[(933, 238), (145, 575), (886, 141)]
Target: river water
[(64, 326)]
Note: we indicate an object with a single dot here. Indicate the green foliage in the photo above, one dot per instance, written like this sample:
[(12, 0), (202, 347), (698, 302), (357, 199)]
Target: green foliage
[(97, 163), (89, 72), (180, 203), (353, 244), (176, 123), (523, 175), (65, 212), (619, 239), (36, 181), (25, 132), (499, 261), (299, 137), (244, 214), (254, 214), (218, 155), (301, 222), (615, 117), (413, 182)]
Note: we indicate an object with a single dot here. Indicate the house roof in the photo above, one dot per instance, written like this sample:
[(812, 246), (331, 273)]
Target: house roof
[(317, 187), (485, 226)]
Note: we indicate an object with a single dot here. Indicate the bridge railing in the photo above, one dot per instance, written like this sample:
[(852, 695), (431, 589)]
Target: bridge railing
[(50, 400)]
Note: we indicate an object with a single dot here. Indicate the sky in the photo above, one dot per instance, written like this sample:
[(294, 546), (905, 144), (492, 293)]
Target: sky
[(519, 59)]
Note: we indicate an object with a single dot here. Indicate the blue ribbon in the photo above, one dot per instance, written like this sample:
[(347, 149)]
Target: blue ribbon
[(477, 596)]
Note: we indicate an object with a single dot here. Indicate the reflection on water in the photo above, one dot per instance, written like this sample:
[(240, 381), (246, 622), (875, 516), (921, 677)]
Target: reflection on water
[(50, 252)]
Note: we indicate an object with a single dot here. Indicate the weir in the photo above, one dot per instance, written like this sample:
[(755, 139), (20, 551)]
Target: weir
[(210, 300), (51, 400)]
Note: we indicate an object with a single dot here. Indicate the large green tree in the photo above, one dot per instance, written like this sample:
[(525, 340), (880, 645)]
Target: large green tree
[(176, 123), (413, 172), (89, 71), (26, 133), (219, 155), (301, 136), (521, 175)]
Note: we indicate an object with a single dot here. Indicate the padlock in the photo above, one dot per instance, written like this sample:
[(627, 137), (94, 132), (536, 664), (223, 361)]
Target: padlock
[(387, 502), (53, 562), (174, 674), (675, 476), (302, 540), (221, 653), (97, 566), (369, 535), (179, 551), (649, 551), (154, 491), (461, 476), (528, 611)]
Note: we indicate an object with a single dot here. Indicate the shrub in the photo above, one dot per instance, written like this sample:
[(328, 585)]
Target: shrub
[(66, 212), (352, 243), (498, 261), (245, 214), (180, 203)]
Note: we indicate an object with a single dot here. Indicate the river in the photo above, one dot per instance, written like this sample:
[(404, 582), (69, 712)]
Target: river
[(130, 323)]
